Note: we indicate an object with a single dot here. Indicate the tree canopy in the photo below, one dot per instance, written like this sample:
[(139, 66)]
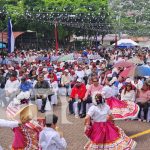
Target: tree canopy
[(131, 17), (73, 16)]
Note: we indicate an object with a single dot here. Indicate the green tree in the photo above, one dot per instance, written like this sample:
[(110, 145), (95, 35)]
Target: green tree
[(73, 17)]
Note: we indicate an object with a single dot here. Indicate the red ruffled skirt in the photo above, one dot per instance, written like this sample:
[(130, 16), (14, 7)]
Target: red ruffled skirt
[(122, 109), (107, 136)]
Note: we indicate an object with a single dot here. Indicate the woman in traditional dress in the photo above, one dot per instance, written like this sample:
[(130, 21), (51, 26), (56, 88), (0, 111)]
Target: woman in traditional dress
[(26, 135), (128, 92), (101, 131), (120, 109)]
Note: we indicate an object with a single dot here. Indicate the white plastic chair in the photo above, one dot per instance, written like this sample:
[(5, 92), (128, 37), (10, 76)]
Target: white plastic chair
[(62, 91), (54, 100)]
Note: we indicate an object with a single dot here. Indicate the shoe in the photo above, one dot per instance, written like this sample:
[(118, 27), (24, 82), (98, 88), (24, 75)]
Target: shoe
[(71, 113), (139, 119), (82, 116), (42, 111), (76, 116), (144, 121)]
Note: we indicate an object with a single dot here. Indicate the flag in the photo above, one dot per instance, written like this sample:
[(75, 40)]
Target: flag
[(11, 40), (56, 38)]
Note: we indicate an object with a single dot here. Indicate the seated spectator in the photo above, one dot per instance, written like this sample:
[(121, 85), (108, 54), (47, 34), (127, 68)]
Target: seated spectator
[(42, 86), (143, 99), (128, 93), (65, 80), (2, 78), (77, 94), (12, 85), (25, 91)]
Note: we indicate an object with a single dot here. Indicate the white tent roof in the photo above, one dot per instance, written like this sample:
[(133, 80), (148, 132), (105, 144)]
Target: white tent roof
[(126, 41)]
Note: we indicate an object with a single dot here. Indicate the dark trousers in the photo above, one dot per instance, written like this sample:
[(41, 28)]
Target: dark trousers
[(145, 107), (67, 87), (71, 106), (82, 105), (88, 101), (85, 80), (44, 101)]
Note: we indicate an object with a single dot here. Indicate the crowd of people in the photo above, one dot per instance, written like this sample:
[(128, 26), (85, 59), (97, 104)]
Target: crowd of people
[(100, 86)]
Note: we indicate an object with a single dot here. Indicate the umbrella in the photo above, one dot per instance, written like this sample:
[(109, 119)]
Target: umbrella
[(136, 71), (124, 64), (128, 72), (126, 43), (66, 57), (2, 45), (142, 71)]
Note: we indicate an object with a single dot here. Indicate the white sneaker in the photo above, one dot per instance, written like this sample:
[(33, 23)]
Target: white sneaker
[(76, 116)]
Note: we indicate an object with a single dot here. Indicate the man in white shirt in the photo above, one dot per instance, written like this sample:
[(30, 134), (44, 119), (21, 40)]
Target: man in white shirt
[(49, 138), (80, 73)]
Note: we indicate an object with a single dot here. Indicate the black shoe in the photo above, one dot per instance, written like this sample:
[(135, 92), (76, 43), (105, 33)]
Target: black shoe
[(82, 116), (42, 111)]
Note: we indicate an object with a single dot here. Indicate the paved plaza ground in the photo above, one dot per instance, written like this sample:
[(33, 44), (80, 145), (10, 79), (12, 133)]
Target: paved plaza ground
[(74, 132)]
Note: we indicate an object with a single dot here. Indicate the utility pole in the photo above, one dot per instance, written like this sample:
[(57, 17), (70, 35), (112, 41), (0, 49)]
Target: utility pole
[(3, 38)]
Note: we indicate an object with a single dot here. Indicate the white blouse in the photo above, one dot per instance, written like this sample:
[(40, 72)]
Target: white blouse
[(99, 113), (12, 86), (128, 96)]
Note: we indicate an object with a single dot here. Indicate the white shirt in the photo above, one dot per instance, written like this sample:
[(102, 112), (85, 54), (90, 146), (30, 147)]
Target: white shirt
[(128, 96), (7, 123), (12, 86), (87, 72), (50, 139), (99, 113), (108, 91), (80, 74), (138, 85)]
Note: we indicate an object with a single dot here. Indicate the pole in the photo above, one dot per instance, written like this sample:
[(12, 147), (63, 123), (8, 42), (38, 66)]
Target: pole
[(3, 38), (2, 41), (56, 38), (96, 41), (37, 42)]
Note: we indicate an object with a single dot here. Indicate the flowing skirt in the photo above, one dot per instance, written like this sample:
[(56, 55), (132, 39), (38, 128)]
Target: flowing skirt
[(107, 136), (122, 109)]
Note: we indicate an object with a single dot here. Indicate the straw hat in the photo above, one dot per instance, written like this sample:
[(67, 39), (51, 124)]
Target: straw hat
[(22, 113)]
